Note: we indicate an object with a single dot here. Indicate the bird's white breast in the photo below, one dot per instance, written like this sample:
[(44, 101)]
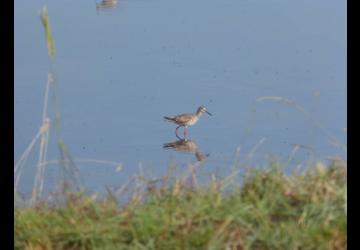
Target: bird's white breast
[(192, 121)]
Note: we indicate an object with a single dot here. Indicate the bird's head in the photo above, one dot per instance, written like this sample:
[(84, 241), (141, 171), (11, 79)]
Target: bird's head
[(202, 109)]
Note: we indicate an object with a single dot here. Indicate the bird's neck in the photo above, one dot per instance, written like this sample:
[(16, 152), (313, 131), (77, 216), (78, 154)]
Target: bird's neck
[(198, 113)]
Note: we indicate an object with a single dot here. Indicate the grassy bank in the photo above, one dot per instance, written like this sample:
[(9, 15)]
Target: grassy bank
[(269, 211)]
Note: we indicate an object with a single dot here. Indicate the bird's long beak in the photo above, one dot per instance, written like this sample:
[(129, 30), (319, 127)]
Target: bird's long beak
[(208, 113)]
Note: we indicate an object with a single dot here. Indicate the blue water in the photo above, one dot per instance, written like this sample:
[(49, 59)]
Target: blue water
[(119, 71)]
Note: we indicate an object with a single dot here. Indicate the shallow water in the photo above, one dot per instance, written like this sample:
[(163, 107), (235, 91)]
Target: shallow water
[(120, 70)]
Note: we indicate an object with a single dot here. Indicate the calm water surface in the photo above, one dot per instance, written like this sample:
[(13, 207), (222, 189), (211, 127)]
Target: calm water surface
[(120, 70)]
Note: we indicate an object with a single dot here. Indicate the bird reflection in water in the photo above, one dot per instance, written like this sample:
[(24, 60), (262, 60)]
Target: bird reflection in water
[(107, 4), (185, 145)]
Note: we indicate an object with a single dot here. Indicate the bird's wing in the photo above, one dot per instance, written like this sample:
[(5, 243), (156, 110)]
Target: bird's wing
[(180, 119), (183, 118)]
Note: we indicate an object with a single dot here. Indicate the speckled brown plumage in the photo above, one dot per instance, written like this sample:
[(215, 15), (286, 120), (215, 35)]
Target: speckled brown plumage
[(183, 119), (186, 120)]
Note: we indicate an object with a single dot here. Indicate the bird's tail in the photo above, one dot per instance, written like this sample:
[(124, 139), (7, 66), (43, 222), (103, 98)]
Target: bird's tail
[(169, 145), (169, 118)]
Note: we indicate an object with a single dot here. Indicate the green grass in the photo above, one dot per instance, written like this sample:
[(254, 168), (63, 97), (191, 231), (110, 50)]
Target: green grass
[(269, 210)]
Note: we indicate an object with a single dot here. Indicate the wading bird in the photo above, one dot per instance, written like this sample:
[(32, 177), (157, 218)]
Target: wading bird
[(186, 120)]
